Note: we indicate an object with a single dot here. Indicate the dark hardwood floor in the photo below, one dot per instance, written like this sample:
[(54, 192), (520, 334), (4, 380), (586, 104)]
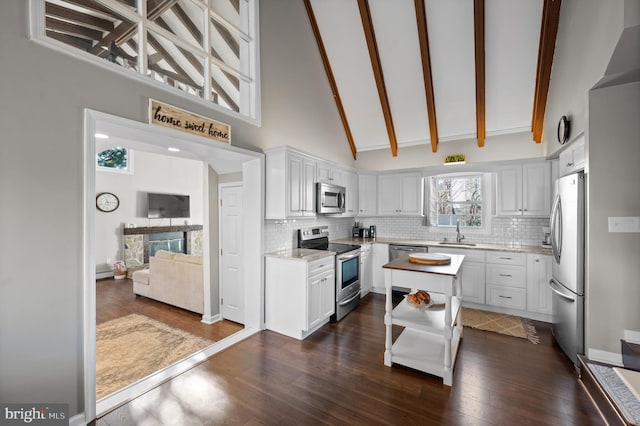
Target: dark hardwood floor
[(337, 377), (115, 299)]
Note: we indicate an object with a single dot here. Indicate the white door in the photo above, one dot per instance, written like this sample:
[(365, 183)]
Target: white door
[(231, 280)]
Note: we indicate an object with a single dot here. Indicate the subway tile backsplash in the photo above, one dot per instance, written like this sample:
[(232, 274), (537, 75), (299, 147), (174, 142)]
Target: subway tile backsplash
[(515, 231)]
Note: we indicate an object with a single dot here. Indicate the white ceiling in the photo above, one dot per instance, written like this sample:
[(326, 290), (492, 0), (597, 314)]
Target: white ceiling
[(512, 31)]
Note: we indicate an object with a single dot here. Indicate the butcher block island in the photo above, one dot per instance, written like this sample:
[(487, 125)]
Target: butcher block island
[(432, 332)]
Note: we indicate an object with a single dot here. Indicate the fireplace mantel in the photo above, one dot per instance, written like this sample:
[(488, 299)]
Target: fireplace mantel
[(157, 229)]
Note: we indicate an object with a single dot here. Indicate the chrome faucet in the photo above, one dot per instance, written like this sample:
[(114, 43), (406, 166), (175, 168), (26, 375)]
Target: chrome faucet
[(459, 237)]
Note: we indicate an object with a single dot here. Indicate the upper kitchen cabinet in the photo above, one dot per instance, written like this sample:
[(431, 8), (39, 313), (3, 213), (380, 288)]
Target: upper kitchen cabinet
[(290, 184), (367, 195), (350, 180), (524, 189), (400, 194), (571, 159), (328, 173)]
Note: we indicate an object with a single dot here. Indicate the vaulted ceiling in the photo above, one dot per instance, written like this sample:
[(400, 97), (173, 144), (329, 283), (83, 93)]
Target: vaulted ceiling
[(402, 72), (411, 72)]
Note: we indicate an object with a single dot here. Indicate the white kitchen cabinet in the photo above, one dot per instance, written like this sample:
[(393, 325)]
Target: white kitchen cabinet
[(539, 293), (290, 185), (380, 257), (328, 173), (473, 272), (299, 295), (350, 180), (367, 195), (366, 259), (506, 280), (571, 159), (524, 189), (400, 194)]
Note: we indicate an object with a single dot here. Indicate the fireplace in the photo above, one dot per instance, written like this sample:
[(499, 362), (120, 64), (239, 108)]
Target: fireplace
[(140, 243)]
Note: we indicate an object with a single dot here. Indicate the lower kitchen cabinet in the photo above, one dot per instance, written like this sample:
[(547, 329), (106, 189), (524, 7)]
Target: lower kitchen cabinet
[(506, 280), (366, 270), (380, 257), (539, 293), (473, 273), (299, 295)]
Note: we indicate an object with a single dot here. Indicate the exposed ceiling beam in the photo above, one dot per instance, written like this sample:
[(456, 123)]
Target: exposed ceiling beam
[(370, 36), (79, 43), (478, 21), (75, 17), (548, 32), (123, 32), (187, 22), (332, 81), (67, 28), (423, 38), (171, 61)]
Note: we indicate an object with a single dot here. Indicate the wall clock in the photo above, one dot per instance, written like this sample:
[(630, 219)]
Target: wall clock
[(107, 202), (564, 128)]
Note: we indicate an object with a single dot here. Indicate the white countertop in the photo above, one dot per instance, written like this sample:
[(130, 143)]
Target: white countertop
[(478, 246), (301, 254)]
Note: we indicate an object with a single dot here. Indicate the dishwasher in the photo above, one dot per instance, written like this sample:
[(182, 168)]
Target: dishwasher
[(399, 251)]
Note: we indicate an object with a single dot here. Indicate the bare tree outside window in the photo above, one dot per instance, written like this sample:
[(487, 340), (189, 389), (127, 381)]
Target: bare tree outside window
[(459, 198)]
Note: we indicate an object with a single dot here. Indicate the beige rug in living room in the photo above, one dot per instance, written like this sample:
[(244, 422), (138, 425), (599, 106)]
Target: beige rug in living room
[(500, 323), (135, 346)]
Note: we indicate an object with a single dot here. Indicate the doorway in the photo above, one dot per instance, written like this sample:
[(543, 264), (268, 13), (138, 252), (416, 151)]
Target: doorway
[(221, 158)]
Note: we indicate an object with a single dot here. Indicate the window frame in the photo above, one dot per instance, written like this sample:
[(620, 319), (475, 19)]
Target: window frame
[(249, 73), (487, 193)]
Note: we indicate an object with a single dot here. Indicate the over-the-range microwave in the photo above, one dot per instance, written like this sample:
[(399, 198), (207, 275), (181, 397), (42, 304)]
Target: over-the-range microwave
[(330, 199)]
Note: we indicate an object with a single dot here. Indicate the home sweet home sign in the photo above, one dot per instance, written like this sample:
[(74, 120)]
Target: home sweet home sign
[(175, 118)]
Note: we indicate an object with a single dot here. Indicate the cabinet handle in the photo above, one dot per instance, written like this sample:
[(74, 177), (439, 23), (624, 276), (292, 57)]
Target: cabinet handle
[(505, 297), (569, 164), (537, 260), (505, 275), (505, 258), (525, 210)]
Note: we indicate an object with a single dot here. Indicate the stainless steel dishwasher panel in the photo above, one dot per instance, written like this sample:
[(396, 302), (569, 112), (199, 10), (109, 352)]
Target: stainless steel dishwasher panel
[(399, 251)]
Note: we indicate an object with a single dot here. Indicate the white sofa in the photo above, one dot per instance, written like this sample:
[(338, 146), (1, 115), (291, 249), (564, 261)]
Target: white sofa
[(172, 278)]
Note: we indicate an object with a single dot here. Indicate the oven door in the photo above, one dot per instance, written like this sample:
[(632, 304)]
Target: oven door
[(347, 274)]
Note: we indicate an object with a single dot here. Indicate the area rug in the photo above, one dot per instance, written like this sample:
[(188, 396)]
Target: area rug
[(132, 347), (500, 323)]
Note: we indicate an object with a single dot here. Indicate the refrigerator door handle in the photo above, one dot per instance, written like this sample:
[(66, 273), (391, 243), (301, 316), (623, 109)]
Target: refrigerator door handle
[(554, 286), (556, 228)]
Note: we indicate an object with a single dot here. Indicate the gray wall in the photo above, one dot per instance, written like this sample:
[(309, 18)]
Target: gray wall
[(587, 34), (614, 190), (41, 179)]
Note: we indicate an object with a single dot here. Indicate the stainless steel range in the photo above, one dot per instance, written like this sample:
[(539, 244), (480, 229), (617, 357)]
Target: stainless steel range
[(347, 267)]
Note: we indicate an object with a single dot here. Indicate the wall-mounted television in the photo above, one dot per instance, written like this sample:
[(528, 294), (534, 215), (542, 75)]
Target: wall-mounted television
[(167, 206)]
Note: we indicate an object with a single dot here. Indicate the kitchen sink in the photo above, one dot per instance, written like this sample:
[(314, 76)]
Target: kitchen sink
[(453, 243)]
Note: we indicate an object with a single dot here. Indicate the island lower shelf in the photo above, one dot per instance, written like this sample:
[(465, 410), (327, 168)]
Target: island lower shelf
[(429, 320), (424, 351)]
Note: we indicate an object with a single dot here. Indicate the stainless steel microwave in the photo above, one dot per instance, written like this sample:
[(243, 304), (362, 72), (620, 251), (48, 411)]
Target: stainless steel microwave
[(330, 199)]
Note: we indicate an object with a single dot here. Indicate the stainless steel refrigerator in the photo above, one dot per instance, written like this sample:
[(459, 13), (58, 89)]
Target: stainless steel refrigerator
[(567, 283)]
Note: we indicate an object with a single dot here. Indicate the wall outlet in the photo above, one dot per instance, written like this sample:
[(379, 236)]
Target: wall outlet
[(624, 224), (108, 261)]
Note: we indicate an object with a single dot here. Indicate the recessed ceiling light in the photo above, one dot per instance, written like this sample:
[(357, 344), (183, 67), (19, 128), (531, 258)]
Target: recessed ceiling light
[(101, 136), (172, 149)]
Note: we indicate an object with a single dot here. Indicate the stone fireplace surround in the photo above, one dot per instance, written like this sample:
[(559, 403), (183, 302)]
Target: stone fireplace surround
[(137, 243)]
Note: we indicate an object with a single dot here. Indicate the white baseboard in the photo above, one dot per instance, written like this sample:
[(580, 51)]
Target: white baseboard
[(605, 357), (632, 336), (78, 420), (100, 275), (210, 319)]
